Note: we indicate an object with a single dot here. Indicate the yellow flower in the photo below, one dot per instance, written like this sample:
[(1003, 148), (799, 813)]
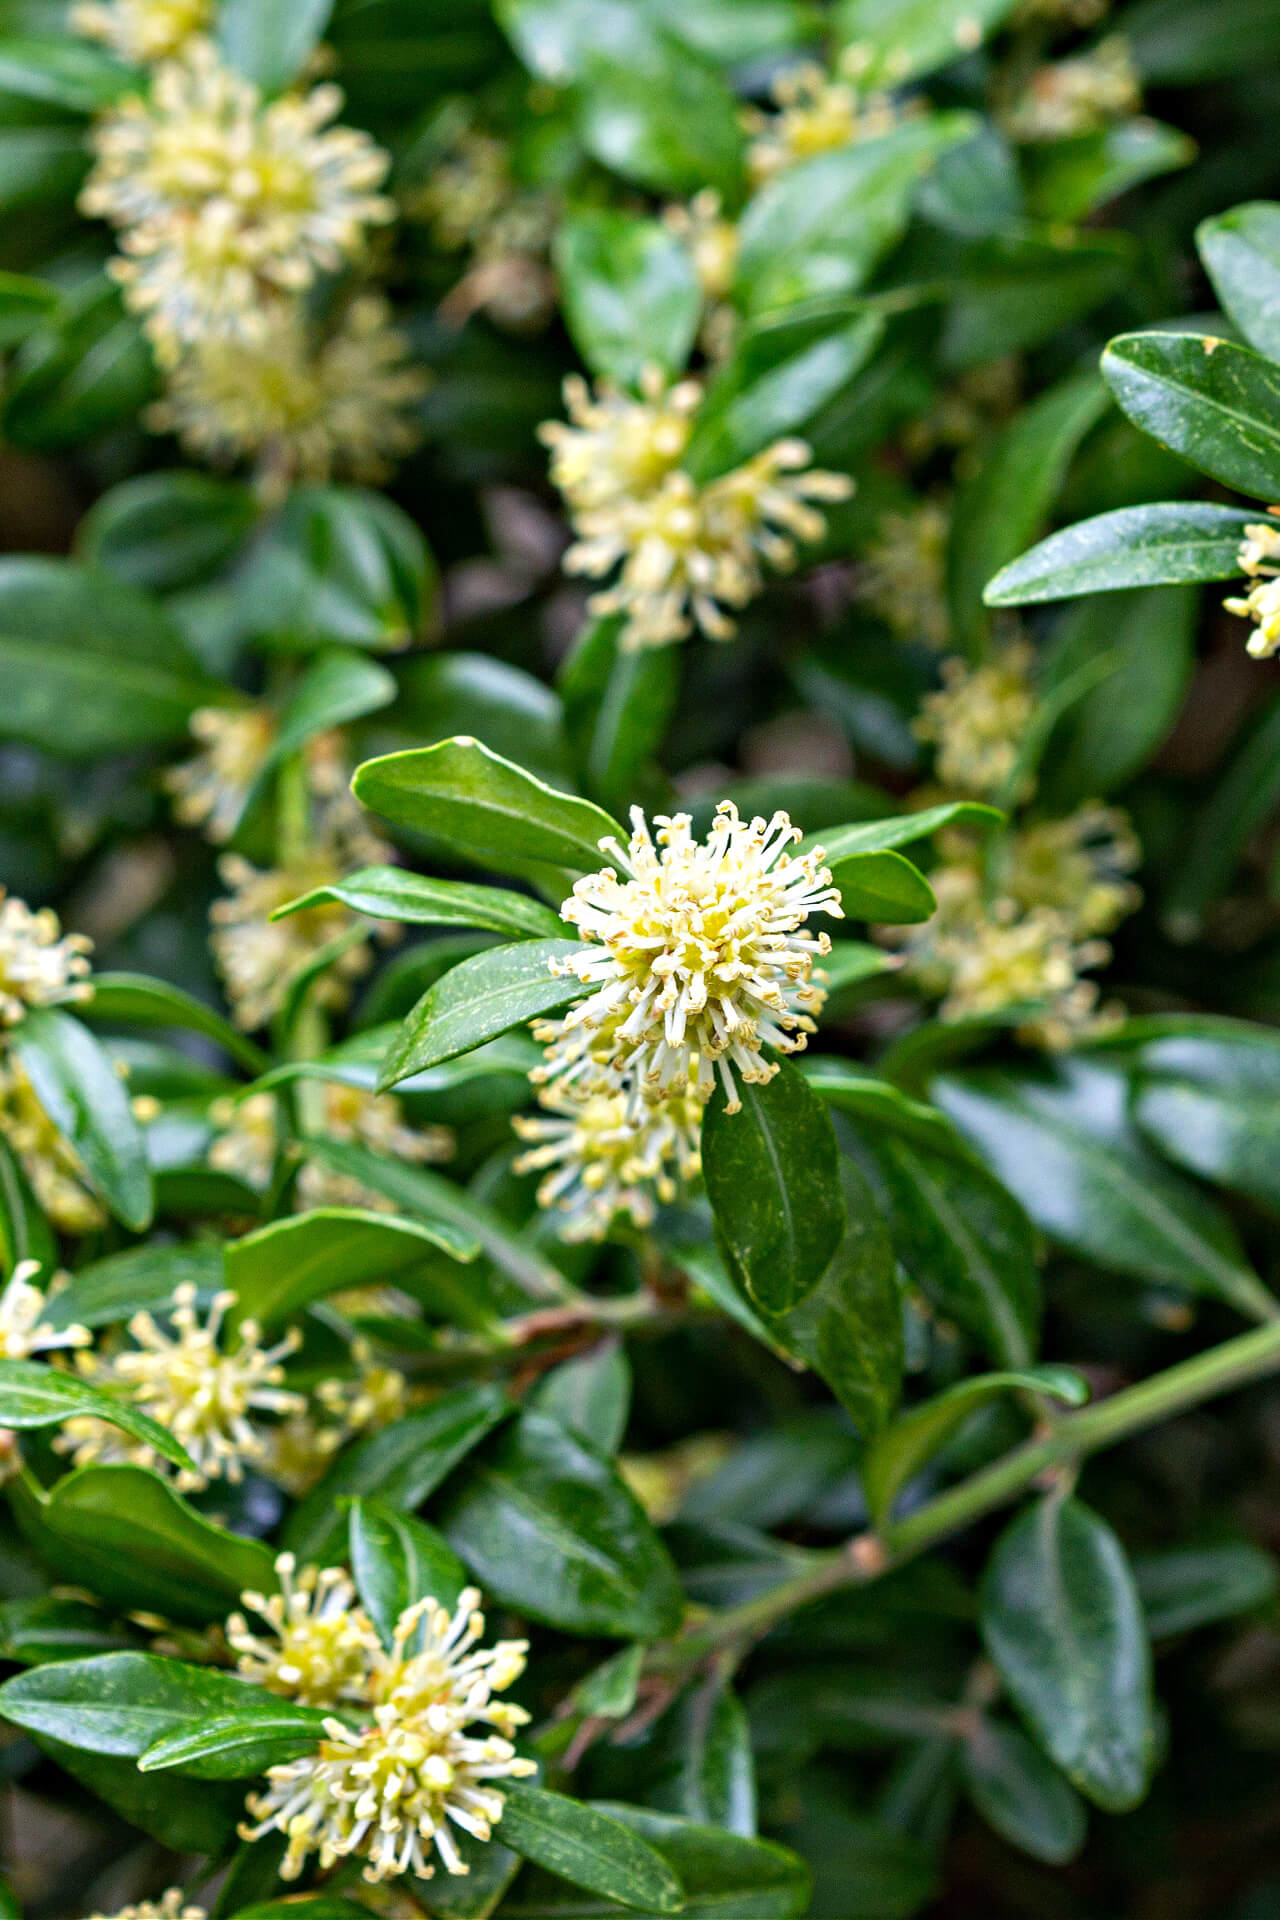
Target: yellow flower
[(211, 789), (374, 1120), (1079, 95), (55, 1174), (815, 114), (606, 1151), (1259, 558), (1006, 960), (393, 1791), (39, 965), (711, 239), (1077, 866), (304, 410), (321, 1644), (616, 447), (203, 1396), (142, 31), (22, 1328), (704, 958), (170, 1906), (225, 201), (259, 957), (977, 723), (902, 577)]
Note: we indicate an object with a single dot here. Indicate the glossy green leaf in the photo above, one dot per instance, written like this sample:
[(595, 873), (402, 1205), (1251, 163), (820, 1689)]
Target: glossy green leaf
[(90, 665), (698, 1761), (818, 229), (1172, 543), (1070, 179), (1060, 1140), (109, 1292), (479, 999), (772, 1175), (902, 830), (1241, 253), (136, 1000), (659, 115), (899, 1453), (1008, 499), (25, 1234), (910, 37), (166, 530), (89, 371), (617, 706), (589, 1396), (1021, 1794), (79, 1089), (396, 1560), (588, 1848), (339, 566), (485, 808), (1063, 1622), (1216, 404), (338, 686), (631, 296), (239, 1744), (400, 1466), (722, 1873), (393, 893), (883, 888), (281, 1268), (36, 1631), (549, 1527), (1182, 1588), (1212, 1105), (33, 1394), (271, 44)]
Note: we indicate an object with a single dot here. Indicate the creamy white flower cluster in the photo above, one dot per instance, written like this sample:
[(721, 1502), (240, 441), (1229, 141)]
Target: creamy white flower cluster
[(687, 556), (391, 1789), (1259, 559)]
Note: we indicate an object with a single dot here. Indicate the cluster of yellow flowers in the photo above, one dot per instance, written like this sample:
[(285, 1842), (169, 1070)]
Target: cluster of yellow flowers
[(248, 1142), (688, 555), (229, 207), (816, 112), (170, 1906), (1018, 924), (700, 959), (472, 203), (1259, 559), (392, 1789), (902, 576), (1078, 95)]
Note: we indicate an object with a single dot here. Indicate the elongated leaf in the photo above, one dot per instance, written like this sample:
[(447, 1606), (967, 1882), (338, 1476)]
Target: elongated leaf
[(631, 296), (64, 72), (1225, 821), (486, 808), (25, 1234), (853, 1091), (136, 1000), (697, 1762), (1172, 543), (1021, 1794), (1061, 1142), (1062, 1620), (915, 1436), (392, 893), (479, 999), (110, 1291), (1241, 252), (1069, 179), (1182, 1588), (34, 1632), (271, 44), (396, 1560), (1212, 1104), (337, 566), (658, 113), (1178, 43), (76, 1084), (34, 1395), (236, 1746), (549, 1528), (883, 888), (1216, 404), (617, 706), (338, 687), (588, 1847), (281, 1268), (402, 1465), (772, 1174), (168, 530), (910, 37), (902, 830), (722, 1873), (589, 1396)]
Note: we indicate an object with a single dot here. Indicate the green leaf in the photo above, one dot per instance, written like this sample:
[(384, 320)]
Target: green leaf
[(136, 1000), (1021, 1794), (818, 229), (1212, 1105), (589, 1396), (1060, 1140), (1182, 1588), (271, 44), (164, 531), (549, 1528), (617, 706), (698, 1761), (479, 999), (910, 37), (339, 566), (587, 1847), (1070, 179), (1172, 543), (90, 665), (24, 304), (897, 1454), (772, 1178), (337, 687), (1178, 43), (141, 1279), (125, 1534), (25, 1234), (396, 1560), (1216, 404), (63, 73), (184, 1815), (631, 296), (722, 1873), (76, 1084), (660, 115), (90, 370), (1241, 800), (1062, 1620), (484, 808), (35, 1632), (882, 887), (1241, 253), (854, 1091), (392, 893), (314, 1906), (238, 1745), (902, 830), (281, 1268), (1009, 497), (401, 1466), (34, 1395)]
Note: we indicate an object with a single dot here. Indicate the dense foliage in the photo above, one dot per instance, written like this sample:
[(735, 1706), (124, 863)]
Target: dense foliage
[(637, 1123)]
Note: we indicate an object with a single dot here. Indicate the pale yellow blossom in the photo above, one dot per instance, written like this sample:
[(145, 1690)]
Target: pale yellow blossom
[(977, 722), (1079, 95), (50, 1164), (902, 577), (40, 966), (319, 1645), (211, 789), (170, 1906), (22, 1325), (142, 31), (1259, 559), (815, 113)]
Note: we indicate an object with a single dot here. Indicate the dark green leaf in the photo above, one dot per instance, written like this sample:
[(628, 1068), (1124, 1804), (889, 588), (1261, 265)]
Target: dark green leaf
[(240, 1744), (723, 1874), (271, 44), (1216, 404), (589, 1396), (397, 1560), (1062, 1620), (882, 887), (1212, 1105), (902, 830), (25, 1234), (1182, 1588), (1241, 252), (76, 1084), (392, 893), (1070, 179), (1226, 819), (145, 1278), (445, 694), (1172, 543), (631, 296), (479, 999), (186, 1815), (34, 1395), (34, 1632), (337, 687), (549, 1528), (1021, 1794), (24, 304), (339, 566), (168, 530), (699, 1760), (135, 1000), (90, 370), (772, 1174), (1177, 43), (281, 1268), (617, 706), (587, 1847)]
